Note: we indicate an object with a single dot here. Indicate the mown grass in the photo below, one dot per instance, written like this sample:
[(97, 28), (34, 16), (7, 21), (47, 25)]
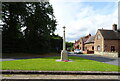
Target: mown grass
[(50, 64)]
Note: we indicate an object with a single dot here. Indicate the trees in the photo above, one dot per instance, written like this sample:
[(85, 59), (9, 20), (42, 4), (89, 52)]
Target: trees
[(69, 46), (56, 43), (40, 24), (12, 17), (37, 19)]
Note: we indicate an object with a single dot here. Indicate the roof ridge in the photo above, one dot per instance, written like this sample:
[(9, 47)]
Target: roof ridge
[(110, 34), (105, 29)]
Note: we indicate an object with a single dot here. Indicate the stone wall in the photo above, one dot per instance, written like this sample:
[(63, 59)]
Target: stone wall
[(107, 54)]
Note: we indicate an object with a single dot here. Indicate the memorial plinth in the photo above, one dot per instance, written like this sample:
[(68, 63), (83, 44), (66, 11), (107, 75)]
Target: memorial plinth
[(64, 53)]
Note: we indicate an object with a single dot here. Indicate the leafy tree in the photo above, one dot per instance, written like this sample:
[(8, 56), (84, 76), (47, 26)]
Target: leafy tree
[(40, 23), (37, 18), (69, 46), (12, 17), (56, 43), (12, 13)]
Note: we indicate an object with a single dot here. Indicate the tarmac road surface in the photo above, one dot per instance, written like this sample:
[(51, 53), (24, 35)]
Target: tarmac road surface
[(108, 60)]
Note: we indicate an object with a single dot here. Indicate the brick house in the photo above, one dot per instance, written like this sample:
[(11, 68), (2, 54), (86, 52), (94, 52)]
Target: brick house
[(89, 45), (107, 42), (76, 44), (85, 44), (82, 42)]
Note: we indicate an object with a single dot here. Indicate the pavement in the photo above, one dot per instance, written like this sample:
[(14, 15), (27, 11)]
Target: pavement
[(61, 77), (10, 75)]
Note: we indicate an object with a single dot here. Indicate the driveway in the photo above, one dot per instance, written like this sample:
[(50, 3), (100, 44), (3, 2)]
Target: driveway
[(108, 60)]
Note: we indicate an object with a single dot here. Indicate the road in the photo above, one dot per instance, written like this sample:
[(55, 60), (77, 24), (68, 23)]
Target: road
[(108, 60)]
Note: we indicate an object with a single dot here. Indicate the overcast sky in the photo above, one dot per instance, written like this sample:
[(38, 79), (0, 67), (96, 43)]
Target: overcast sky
[(82, 17)]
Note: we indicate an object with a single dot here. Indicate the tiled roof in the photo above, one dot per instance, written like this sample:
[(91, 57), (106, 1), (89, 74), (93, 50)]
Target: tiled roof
[(90, 39), (110, 34), (85, 38)]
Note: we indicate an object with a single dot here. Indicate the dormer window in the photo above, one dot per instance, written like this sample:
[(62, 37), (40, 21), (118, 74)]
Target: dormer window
[(98, 36)]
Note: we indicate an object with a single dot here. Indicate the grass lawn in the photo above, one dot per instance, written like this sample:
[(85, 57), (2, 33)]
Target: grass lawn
[(50, 64)]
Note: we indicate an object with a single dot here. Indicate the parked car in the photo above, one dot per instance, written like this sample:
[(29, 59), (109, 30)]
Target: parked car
[(77, 51)]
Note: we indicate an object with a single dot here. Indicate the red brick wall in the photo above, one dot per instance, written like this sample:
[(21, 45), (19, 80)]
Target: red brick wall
[(89, 46), (81, 45), (99, 42), (109, 43)]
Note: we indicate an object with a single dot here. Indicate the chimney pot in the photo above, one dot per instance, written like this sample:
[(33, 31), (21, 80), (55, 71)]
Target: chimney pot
[(114, 27), (89, 34)]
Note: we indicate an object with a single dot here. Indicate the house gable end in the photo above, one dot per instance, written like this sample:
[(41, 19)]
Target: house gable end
[(98, 31)]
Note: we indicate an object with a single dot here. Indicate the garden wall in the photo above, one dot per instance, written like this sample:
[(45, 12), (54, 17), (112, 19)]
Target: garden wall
[(108, 54)]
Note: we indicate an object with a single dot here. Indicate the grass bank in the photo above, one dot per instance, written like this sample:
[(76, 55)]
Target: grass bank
[(50, 64)]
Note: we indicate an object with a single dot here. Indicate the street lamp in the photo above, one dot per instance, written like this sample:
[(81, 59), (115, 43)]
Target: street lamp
[(64, 53)]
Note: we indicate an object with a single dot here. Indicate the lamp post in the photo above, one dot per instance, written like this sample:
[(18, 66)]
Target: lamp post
[(64, 53)]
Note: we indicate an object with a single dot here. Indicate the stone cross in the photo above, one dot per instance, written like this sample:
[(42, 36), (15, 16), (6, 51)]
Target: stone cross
[(64, 53)]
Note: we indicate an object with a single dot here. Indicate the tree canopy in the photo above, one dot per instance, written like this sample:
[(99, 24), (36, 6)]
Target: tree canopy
[(28, 26)]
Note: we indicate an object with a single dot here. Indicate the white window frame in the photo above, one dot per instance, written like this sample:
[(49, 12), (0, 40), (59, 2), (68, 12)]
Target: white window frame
[(98, 37), (98, 48)]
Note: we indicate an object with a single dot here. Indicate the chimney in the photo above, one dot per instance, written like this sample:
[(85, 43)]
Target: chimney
[(89, 35), (114, 27)]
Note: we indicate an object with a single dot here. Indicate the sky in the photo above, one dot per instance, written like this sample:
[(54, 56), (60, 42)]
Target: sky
[(81, 17)]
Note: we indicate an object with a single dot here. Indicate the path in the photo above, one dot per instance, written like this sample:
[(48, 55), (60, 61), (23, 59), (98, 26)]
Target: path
[(42, 76)]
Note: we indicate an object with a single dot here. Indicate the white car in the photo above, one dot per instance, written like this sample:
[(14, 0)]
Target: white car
[(78, 51)]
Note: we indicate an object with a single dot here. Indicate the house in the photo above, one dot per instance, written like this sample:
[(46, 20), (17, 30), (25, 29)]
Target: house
[(107, 42), (85, 44), (82, 43), (89, 45), (76, 44)]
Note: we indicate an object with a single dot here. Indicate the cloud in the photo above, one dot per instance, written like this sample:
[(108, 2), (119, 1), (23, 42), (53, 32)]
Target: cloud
[(81, 19)]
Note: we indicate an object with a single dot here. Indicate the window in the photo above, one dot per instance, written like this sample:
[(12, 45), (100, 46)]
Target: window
[(92, 47), (85, 48), (98, 36), (98, 48), (112, 48)]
